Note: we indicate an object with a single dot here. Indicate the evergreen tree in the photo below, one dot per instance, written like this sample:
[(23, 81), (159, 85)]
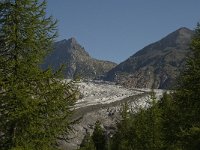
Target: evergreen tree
[(99, 137), (154, 122), (173, 122), (169, 120), (188, 92), (187, 97), (124, 136), (34, 105), (141, 130), (147, 124), (87, 143)]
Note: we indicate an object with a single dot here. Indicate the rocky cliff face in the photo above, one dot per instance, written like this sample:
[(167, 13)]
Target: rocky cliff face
[(156, 65), (76, 60)]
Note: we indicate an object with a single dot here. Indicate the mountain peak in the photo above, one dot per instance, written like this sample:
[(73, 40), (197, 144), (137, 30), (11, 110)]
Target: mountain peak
[(77, 60), (156, 65), (72, 40), (181, 37), (183, 29)]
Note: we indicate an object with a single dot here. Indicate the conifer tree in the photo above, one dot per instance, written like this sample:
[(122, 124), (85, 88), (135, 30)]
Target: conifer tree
[(169, 120), (124, 135), (153, 124), (87, 143), (188, 93), (35, 105), (99, 137), (187, 97), (139, 130)]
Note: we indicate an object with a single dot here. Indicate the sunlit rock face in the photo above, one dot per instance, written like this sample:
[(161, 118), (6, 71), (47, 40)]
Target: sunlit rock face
[(76, 60), (156, 65)]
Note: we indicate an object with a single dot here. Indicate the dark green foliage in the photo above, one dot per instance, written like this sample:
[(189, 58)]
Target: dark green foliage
[(123, 136), (169, 120), (187, 98), (153, 125), (99, 137), (95, 142), (87, 143), (141, 130), (188, 93), (34, 105), (172, 123)]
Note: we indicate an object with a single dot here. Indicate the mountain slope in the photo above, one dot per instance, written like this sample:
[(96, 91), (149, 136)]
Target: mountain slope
[(156, 65), (77, 61)]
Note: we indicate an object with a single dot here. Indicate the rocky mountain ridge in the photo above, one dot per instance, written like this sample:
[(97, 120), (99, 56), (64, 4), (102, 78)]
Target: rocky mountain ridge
[(77, 60), (156, 65)]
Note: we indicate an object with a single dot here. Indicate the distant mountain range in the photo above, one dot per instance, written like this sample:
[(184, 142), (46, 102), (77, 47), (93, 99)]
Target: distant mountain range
[(76, 60), (156, 65)]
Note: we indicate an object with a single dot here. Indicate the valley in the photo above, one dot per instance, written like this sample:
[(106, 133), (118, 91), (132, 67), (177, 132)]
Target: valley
[(101, 75), (103, 101), (105, 86)]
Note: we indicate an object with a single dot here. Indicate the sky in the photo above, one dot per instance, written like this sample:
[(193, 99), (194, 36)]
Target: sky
[(115, 29)]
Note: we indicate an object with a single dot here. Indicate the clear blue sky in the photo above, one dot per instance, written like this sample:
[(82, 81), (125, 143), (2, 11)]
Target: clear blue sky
[(115, 29)]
